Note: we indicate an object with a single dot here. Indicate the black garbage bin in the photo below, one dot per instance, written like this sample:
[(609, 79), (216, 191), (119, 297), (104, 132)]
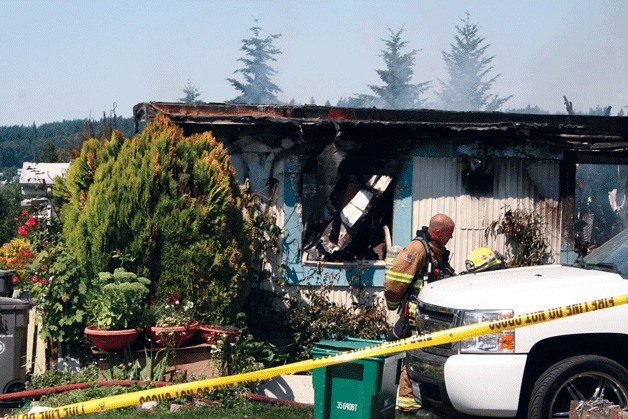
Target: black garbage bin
[(13, 330), (6, 288)]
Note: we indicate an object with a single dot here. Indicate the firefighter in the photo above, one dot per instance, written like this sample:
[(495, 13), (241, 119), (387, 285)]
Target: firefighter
[(425, 259)]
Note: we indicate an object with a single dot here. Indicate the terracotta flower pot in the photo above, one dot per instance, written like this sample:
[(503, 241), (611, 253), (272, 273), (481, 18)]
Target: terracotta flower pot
[(212, 333), (111, 340), (174, 335)]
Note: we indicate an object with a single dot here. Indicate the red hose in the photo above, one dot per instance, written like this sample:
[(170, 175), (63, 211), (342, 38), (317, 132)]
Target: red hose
[(76, 386), (108, 383)]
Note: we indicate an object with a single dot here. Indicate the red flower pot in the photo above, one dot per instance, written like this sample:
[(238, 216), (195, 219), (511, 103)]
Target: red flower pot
[(212, 333), (111, 340), (174, 335)]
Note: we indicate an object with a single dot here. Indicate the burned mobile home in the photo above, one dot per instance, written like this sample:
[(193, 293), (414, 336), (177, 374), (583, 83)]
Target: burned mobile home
[(349, 183)]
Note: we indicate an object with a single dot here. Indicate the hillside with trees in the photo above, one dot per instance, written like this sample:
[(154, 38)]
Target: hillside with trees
[(55, 141)]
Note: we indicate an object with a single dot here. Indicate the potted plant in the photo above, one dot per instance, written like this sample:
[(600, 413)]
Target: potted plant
[(117, 309), (173, 322), (212, 333)]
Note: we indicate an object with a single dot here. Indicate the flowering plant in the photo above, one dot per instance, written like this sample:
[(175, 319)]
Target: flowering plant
[(21, 252), (172, 312), (17, 256)]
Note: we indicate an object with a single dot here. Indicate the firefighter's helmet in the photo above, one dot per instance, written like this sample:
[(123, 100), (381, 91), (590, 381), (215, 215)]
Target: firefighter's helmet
[(483, 259)]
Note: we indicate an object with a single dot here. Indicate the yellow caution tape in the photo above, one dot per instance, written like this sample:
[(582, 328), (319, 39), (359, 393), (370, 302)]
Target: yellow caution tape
[(386, 348)]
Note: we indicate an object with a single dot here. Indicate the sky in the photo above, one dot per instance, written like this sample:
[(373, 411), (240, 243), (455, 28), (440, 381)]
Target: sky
[(74, 59)]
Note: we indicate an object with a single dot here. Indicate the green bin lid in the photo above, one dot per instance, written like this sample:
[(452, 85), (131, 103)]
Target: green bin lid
[(334, 347)]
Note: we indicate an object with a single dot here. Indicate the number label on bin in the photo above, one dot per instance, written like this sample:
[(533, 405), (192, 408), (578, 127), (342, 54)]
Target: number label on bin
[(353, 407)]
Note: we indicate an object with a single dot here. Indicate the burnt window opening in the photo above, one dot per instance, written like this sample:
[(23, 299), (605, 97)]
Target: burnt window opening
[(478, 177), (601, 207), (347, 202)]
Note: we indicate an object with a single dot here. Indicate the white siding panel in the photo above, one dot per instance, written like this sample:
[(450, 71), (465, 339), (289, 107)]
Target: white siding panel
[(518, 183)]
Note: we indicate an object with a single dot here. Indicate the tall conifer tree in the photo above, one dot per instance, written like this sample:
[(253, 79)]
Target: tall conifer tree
[(468, 67), (257, 87), (191, 93), (398, 92)]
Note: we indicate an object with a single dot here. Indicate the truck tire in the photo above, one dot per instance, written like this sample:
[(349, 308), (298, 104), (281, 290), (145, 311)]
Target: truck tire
[(582, 377)]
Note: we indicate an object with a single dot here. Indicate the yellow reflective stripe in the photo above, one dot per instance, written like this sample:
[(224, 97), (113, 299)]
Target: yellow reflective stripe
[(392, 305), (407, 403), (399, 277), (417, 285)]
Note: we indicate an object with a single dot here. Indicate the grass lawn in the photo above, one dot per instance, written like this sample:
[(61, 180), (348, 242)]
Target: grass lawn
[(246, 409)]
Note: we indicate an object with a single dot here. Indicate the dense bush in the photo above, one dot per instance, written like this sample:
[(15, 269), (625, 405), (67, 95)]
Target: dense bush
[(311, 316), (173, 204), (525, 230), (61, 296)]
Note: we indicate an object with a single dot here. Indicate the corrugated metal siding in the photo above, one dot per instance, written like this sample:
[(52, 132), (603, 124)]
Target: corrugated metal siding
[(437, 188)]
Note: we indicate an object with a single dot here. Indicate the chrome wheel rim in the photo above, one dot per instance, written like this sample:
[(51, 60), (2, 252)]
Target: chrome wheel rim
[(587, 386)]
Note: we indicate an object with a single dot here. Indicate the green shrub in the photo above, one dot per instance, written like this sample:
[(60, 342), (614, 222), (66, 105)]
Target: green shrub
[(61, 299), (311, 317), (56, 377), (524, 229), (173, 204)]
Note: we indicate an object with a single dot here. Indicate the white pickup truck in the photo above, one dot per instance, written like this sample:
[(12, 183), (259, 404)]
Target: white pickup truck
[(535, 371)]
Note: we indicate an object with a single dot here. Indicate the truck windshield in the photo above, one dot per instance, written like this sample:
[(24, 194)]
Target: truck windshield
[(611, 256)]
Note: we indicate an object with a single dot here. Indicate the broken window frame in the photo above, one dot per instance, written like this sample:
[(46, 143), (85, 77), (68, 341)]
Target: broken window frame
[(345, 221)]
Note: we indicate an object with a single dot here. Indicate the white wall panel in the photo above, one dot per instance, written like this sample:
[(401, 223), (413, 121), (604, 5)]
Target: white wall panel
[(437, 188)]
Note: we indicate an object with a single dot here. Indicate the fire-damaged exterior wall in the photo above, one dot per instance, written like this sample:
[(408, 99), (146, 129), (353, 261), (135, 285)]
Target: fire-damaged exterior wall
[(437, 186), (349, 183)]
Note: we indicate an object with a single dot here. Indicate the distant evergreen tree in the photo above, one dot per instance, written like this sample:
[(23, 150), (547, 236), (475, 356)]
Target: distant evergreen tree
[(257, 87), (19, 143), (49, 153), (397, 91), (528, 110), (191, 93), (9, 208), (468, 66), (360, 101), (597, 111), (600, 110)]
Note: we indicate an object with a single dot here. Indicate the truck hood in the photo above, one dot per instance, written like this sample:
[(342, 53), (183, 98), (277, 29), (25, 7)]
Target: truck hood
[(524, 289)]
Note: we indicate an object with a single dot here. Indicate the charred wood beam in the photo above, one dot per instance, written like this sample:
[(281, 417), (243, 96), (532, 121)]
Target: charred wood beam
[(388, 132)]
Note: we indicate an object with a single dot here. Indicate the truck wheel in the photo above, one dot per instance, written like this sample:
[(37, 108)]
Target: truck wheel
[(582, 378)]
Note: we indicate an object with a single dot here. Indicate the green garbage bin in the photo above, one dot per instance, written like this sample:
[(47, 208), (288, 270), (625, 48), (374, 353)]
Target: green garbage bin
[(13, 331), (365, 388)]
